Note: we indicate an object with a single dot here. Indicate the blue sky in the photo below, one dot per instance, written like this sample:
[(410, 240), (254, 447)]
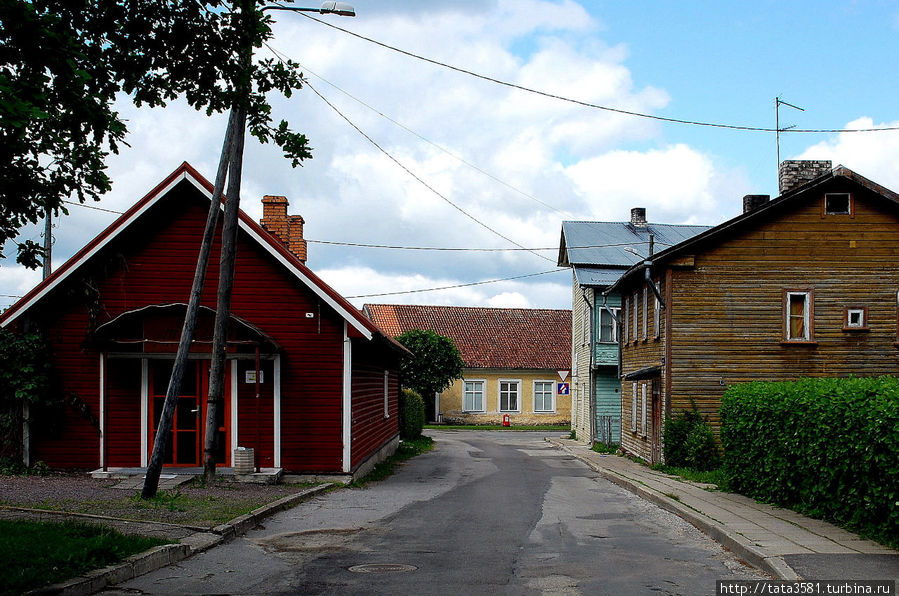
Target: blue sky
[(547, 160)]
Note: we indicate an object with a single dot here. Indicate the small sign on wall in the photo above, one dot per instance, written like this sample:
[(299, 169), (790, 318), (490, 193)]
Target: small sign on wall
[(250, 376), (564, 389)]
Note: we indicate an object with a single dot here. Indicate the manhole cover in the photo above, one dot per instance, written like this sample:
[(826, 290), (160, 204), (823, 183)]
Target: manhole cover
[(382, 568)]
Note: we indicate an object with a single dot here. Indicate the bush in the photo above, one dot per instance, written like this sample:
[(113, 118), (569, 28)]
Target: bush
[(826, 447), (690, 442), (412, 414)]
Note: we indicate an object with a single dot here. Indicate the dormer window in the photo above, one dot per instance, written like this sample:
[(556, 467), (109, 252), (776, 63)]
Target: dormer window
[(837, 203)]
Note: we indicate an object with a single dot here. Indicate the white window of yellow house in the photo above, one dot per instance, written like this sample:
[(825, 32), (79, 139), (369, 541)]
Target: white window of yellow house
[(544, 396), (798, 316), (509, 394), (473, 395), (634, 408)]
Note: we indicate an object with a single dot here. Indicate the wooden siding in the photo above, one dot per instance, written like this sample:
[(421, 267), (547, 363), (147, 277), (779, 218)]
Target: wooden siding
[(123, 408), (580, 372), (153, 263), (726, 312), (371, 428)]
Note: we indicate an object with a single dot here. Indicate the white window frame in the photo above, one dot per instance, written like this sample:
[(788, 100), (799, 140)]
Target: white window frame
[(634, 408), (552, 397), (643, 413), (386, 393), (849, 210), (861, 312), (807, 315), (483, 393), (499, 395), (636, 312), (657, 317), (645, 312), (612, 314), (625, 313)]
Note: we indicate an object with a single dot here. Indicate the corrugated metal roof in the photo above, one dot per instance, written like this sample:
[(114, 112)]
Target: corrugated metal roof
[(597, 276), (619, 243), (524, 338)]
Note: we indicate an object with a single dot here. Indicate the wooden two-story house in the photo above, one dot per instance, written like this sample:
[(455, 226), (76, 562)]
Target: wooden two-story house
[(599, 253), (804, 285)]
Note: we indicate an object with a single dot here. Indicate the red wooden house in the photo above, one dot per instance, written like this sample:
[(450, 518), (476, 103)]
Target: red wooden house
[(327, 399)]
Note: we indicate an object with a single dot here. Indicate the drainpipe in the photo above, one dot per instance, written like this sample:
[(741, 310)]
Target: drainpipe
[(648, 277), (591, 396)]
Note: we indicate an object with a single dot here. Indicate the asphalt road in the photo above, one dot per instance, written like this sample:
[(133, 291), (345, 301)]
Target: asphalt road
[(484, 513)]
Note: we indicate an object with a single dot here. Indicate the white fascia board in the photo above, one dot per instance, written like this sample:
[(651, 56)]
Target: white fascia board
[(72, 267), (316, 289)]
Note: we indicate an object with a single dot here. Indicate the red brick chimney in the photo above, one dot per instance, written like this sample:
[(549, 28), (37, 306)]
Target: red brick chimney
[(288, 228)]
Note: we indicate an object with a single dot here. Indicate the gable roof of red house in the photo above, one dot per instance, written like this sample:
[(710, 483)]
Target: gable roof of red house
[(515, 338), (358, 324)]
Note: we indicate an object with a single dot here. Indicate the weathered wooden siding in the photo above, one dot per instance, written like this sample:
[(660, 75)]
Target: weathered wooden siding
[(580, 350), (727, 312), (640, 352)]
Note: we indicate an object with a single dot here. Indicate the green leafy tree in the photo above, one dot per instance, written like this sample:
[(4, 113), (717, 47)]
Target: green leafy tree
[(24, 381), (436, 364), (63, 63)]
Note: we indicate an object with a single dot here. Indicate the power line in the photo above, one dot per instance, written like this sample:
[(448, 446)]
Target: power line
[(419, 179), (94, 207), (426, 140), (466, 249), (474, 283), (593, 105)]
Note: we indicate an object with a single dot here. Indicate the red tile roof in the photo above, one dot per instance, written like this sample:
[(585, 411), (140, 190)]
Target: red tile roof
[(533, 338)]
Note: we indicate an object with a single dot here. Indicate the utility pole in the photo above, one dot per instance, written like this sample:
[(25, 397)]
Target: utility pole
[(48, 242), (777, 103)]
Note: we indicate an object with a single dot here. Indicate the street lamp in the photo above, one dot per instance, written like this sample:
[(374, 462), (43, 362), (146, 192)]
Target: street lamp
[(339, 8)]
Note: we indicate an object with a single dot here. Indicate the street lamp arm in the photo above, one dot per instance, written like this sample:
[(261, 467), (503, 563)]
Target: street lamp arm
[(339, 8)]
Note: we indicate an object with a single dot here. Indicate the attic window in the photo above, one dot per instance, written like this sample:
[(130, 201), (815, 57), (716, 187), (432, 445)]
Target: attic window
[(855, 318), (838, 203)]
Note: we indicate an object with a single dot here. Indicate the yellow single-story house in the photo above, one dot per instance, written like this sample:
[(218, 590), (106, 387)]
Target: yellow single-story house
[(516, 360)]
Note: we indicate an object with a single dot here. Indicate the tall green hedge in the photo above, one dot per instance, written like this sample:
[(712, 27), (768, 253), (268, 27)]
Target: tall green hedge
[(825, 447), (412, 414)]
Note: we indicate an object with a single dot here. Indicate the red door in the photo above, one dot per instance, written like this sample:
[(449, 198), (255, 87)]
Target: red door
[(184, 443)]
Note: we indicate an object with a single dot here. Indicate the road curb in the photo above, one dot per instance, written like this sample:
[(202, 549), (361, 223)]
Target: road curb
[(161, 556), (775, 566)]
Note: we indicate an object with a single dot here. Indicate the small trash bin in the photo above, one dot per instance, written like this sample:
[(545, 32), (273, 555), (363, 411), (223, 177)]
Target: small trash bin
[(244, 461)]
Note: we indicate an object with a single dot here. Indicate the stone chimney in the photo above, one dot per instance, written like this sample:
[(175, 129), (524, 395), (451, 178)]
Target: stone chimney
[(753, 202), (638, 217), (793, 173), (288, 228)]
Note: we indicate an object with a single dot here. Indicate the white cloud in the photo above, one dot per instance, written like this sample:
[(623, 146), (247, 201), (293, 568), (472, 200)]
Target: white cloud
[(871, 154)]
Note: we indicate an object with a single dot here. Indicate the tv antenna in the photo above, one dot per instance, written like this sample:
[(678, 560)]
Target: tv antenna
[(777, 103)]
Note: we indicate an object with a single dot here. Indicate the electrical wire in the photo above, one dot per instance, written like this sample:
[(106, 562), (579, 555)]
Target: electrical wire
[(94, 207), (465, 249), (421, 180), (593, 105), (466, 285), (458, 158)]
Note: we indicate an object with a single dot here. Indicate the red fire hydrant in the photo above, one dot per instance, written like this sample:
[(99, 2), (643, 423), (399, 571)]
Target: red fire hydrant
[(507, 421)]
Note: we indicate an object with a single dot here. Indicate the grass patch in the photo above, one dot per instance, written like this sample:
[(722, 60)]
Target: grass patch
[(37, 554), (604, 448), (541, 427), (716, 476), (407, 449)]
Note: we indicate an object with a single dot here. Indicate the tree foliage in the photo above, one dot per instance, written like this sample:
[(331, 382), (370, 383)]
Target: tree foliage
[(436, 363), (63, 63), (24, 379)]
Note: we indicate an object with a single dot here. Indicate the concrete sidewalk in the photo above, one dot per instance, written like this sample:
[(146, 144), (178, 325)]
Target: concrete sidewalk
[(779, 541)]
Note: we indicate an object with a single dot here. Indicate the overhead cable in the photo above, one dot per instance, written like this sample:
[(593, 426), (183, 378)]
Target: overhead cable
[(466, 285), (593, 105)]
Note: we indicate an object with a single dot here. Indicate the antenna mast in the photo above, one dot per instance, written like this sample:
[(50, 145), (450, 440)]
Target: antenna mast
[(777, 103)]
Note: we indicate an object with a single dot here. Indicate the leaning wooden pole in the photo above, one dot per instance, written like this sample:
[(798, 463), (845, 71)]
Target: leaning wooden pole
[(164, 427), (223, 300)]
